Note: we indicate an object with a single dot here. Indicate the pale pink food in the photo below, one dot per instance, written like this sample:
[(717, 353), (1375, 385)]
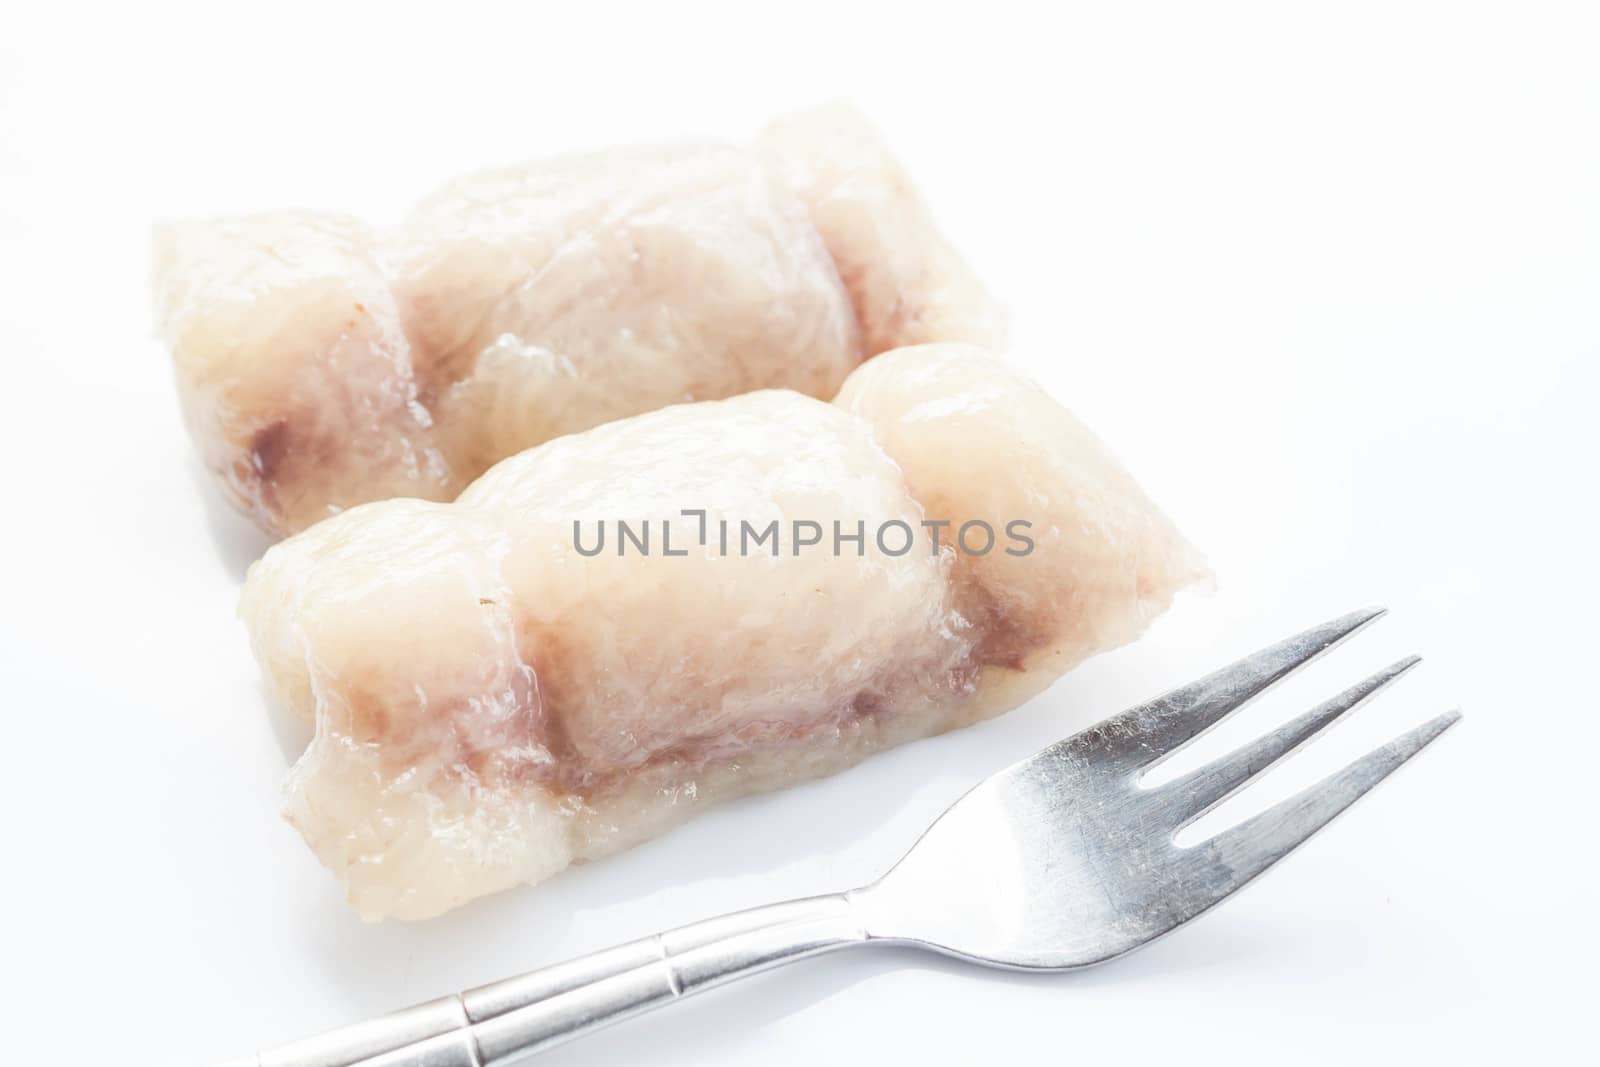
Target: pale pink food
[(323, 362), (492, 704)]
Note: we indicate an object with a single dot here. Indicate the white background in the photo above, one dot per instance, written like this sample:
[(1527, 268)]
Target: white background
[(1326, 276)]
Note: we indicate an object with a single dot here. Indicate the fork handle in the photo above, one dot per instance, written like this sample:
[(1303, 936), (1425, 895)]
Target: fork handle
[(508, 1020)]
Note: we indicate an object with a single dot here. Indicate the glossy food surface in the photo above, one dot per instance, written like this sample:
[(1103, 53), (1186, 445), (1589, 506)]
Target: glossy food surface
[(497, 694), (323, 362)]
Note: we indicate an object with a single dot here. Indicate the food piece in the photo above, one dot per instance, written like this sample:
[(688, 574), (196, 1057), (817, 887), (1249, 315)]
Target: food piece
[(908, 285), (296, 378), (494, 698), (323, 363)]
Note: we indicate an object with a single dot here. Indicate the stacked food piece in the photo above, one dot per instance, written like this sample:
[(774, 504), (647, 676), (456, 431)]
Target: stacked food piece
[(497, 689), (323, 362)]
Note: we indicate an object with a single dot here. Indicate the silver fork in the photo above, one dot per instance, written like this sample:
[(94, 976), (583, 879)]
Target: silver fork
[(1061, 861)]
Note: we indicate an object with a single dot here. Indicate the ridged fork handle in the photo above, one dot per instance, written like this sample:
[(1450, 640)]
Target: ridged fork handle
[(508, 1020)]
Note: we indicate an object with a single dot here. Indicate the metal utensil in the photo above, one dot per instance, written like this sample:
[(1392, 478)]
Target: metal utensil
[(1061, 861)]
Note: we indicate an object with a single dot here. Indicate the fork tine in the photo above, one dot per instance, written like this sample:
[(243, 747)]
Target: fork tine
[(1192, 795), (1257, 843), (1150, 731)]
